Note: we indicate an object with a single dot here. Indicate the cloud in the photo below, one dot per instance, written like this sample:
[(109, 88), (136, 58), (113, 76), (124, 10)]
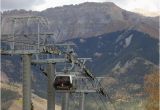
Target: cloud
[(129, 5), (19, 4), (152, 5), (55, 3)]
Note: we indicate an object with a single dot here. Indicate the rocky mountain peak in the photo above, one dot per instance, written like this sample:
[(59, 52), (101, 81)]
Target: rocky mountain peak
[(92, 19)]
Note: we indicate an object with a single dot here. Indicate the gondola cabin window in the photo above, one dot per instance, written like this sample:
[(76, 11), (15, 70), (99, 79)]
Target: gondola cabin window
[(63, 82)]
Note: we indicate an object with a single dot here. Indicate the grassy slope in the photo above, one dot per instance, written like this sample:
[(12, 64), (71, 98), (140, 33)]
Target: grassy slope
[(13, 101)]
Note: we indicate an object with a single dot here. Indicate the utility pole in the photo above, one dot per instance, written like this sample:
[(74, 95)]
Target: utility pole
[(65, 101), (51, 63), (50, 89), (26, 82), (82, 101), (26, 58)]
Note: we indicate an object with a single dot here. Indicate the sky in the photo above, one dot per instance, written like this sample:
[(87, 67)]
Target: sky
[(39, 5)]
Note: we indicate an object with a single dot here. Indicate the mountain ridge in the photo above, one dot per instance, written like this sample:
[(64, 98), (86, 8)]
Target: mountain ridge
[(89, 19)]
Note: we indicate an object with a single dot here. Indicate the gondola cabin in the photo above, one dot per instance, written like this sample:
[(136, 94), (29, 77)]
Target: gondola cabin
[(64, 82)]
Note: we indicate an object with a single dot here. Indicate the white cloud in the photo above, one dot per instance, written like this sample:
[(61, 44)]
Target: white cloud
[(55, 3), (19, 4), (152, 5)]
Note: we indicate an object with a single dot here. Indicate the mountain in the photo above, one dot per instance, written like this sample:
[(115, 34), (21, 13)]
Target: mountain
[(124, 47), (134, 55), (86, 20), (123, 60), (112, 50)]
